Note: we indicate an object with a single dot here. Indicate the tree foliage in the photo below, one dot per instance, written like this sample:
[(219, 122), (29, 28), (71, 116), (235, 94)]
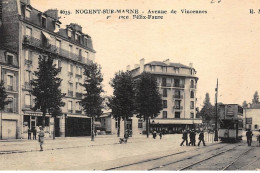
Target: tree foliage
[(92, 102), (244, 104), (3, 96), (207, 112), (122, 101), (46, 88), (255, 99), (148, 102)]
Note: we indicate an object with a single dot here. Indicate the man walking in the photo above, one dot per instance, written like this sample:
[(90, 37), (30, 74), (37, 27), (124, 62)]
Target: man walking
[(192, 138), (201, 138), (41, 138), (34, 133), (184, 137), (249, 135), (29, 134)]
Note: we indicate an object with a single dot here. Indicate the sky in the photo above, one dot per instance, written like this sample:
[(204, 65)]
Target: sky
[(223, 44)]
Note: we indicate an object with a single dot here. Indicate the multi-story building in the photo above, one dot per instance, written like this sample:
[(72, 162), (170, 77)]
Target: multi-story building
[(177, 84), (252, 117), (29, 33)]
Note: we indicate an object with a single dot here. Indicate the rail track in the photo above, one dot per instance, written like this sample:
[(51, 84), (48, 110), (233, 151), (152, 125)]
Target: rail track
[(169, 155)]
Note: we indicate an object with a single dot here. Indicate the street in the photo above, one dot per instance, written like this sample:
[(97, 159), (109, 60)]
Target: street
[(140, 153)]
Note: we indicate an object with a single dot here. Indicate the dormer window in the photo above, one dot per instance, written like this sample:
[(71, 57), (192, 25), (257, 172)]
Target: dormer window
[(86, 40), (69, 33), (57, 27), (27, 13), (77, 37), (44, 22), (9, 59)]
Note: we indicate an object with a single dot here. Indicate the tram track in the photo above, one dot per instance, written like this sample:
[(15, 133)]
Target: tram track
[(158, 158)]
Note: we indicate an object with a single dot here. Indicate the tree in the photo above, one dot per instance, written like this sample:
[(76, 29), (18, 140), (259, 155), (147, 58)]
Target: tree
[(244, 104), (46, 88), (148, 102), (3, 101), (255, 99), (92, 101), (207, 112), (122, 102)]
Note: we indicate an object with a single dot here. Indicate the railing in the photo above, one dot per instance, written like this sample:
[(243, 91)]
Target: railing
[(70, 93), (27, 86), (70, 111), (9, 110), (10, 88), (28, 62), (78, 111), (178, 96), (179, 85), (79, 95), (178, 107), (78, 75), (49, 47)]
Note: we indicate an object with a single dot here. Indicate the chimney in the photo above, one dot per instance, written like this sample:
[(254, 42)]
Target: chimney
[(52, 13), (167, 61), (128, 68), (142, 65), (191, 65), (136, 66)]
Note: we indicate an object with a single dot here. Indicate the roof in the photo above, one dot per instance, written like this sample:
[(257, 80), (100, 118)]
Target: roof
[(255, 106), (169, 65)]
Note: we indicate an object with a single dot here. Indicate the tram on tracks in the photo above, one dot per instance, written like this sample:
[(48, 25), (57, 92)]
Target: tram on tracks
[(231, 123)]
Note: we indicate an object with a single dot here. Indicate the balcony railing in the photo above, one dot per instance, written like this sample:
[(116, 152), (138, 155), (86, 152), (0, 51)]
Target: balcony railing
[(178, 107), (51, 48), (28, 106), (28, 62), (9, 110), (178, 96), (70, 93), (78, 111), (79, 95), (70, 111), (27, 86), (179, 85), (79, 75), (10, 88)]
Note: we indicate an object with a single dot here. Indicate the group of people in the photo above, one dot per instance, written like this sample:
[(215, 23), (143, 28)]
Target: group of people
[(40, 136), (192, 134), (249, 136), (155, 134)]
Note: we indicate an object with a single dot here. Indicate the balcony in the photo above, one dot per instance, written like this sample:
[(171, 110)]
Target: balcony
[(78, 111), (79, 95), (178, 107), (28, 40), (178, 96), (10, 110), (28, 62), (70, 93), (78, 75), (70, 111), (10, 88), (178, 85), (27, 86)]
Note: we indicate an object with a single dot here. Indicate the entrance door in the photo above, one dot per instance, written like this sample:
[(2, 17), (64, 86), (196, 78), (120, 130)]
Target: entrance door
[(57, 126), (9, 129)]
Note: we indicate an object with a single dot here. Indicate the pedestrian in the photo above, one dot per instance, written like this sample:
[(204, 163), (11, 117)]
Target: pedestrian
[(192, 138), (249, 135), (34, 133), (29, 134), (160, 134), (41, 138), (201, 138), (154, 134), (184, 137)]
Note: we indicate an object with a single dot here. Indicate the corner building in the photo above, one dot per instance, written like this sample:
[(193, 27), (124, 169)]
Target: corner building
[(177, 84), (31, 34)]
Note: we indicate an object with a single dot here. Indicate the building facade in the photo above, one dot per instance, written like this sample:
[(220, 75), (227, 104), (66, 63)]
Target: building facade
[(31, 34), (252, 117), (177, 84)]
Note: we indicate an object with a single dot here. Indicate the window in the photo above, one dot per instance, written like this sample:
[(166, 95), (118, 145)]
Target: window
[(70, 86), (78, 106), (256, 126), (177, 94), (10, 105), (140, 123), (77, 37), (70, 68), (57, 63), (116, 124), (177, 82), (27, 100), (164, 92), (164, 114), (27, 76), (177, 104), (10, 59), (192, 83), (164, 69), (86, 40), (177, 114), (163, 81), (69, 106), (28, 13), (28, 32), (192, 104), (164, 103), (70, 50), (10, 82), (153, 68), (58, 45), (192, 94), (69, 33), (176, 70), (80, 52), (191, 115), (44, 22)]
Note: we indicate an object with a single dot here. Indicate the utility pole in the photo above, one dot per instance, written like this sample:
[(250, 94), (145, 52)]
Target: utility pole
[(216, 107)]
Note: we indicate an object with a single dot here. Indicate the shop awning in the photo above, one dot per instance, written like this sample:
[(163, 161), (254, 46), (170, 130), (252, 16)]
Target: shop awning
[(46, 35)]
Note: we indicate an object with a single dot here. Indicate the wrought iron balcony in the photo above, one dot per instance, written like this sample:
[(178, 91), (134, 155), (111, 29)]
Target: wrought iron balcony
[(78, 111), (178, 96), (79, 95), (70, 93), (178, 107), (27, 86), (178, 85)]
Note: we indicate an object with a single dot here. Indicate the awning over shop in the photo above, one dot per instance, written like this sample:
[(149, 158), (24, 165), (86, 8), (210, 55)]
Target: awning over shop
[(176, 121), (46, 35)]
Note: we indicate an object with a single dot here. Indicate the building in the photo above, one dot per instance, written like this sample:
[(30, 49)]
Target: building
[(31, 34), (177, 84), (252, 117)]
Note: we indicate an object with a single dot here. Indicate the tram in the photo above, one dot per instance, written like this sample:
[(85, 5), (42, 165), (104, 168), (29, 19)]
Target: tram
[(231, 122)]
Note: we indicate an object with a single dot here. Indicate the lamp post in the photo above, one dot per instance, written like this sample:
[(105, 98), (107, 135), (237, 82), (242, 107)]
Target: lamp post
[(216, 120)]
